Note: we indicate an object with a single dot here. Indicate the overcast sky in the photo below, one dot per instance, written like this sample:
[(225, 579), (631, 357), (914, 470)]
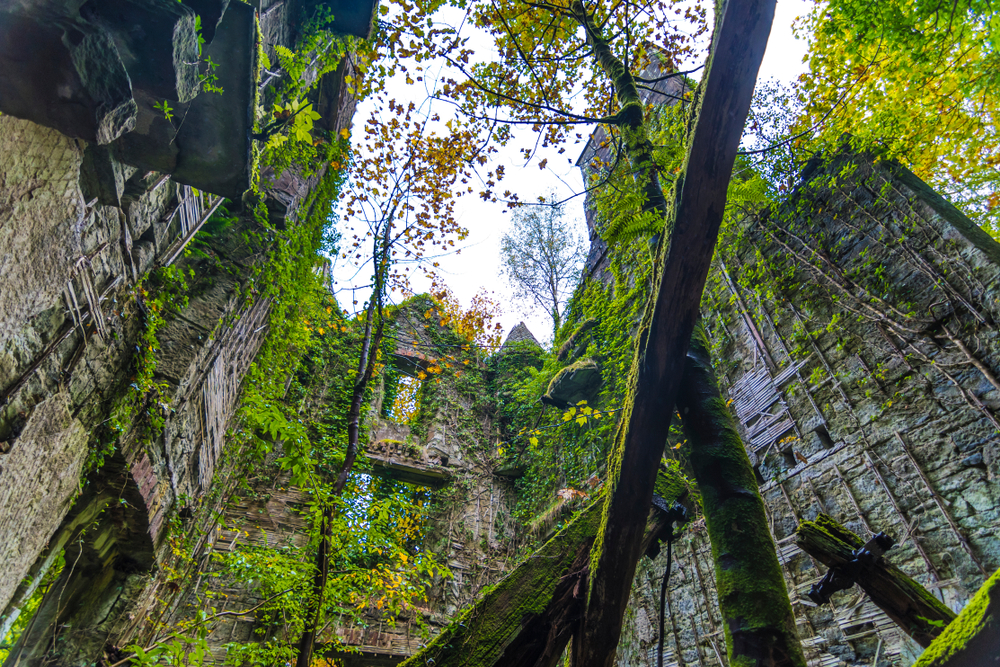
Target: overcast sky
[(478, 263)]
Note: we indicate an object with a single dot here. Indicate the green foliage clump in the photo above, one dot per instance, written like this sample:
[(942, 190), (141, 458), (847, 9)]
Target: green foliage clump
[(30, 606), (378, 563), (160, 294), (618, 201)]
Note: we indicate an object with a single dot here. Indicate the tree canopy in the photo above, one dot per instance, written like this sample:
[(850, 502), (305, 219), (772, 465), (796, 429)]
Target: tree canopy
[(918, 78)]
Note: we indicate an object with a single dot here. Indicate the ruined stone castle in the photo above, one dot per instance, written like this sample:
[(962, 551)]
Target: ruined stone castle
[(854, 327)]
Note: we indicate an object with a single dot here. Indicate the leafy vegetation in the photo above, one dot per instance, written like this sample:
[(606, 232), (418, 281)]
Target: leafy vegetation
[(308, 397), (918, 79)]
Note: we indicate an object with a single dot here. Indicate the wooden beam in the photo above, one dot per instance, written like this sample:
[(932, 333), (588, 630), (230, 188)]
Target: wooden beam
[(683, 259), (972, 639), (910, 605), (527, 619)]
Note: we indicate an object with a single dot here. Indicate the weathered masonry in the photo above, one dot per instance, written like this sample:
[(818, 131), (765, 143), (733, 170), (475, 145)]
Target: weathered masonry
[(855, 328), (855, 324), (98, 188), (444, 453)]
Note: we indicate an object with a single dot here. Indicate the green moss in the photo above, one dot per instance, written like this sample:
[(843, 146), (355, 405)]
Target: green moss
[(751, 589), (973, 620), (825, 524), (479, 636), (670, 482), (575, 338)]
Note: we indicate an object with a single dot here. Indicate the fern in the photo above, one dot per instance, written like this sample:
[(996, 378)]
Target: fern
[(626, 228)]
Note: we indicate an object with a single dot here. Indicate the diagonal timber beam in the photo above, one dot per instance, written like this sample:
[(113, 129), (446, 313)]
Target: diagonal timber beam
[(527, 619), (910, 605), (684, 256)]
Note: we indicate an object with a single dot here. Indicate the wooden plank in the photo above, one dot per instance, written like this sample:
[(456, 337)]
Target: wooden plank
[(527, 618), (910, 605), (972, 639), (683, 259)]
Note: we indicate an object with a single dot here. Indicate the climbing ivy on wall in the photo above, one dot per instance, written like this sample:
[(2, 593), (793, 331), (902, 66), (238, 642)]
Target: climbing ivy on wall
[(291, 426)]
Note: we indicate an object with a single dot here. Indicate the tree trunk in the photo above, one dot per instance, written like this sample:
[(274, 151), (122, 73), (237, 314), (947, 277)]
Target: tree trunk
[(753, 599), (366, 366), (638, 147), (683, 260), (529, 617), (972, 639), (905, 601)]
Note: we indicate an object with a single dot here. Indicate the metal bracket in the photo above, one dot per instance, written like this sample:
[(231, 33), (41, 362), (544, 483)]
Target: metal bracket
[(842, 577)]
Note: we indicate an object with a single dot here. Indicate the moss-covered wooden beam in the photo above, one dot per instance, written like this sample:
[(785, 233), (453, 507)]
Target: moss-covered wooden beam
[(910, 605), (527, 619), (972, 639), (683, 259), (753, 599)]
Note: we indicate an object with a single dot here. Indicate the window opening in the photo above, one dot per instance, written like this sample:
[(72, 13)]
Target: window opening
[(824, 436), (405, 405)]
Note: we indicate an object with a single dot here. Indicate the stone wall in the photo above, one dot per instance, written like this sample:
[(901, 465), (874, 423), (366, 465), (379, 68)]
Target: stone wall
[(468, 527), (204, 352), (66, 332), (854, 330), (80, 231)]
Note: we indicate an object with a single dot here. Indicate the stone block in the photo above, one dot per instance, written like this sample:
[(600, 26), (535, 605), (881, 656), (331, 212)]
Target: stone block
[(333, 101), (152, 144), (39, 479), (65, 76), (580, 381), (215, 138), (43, 216), (157, 42), (101, 176), (976, 460), (207, 143), (211, 13)]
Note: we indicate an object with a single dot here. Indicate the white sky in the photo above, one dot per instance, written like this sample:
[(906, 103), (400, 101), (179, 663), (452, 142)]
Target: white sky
[(478, 263)]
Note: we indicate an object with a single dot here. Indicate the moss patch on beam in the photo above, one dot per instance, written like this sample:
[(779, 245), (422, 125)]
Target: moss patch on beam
[(974, 637), (910, 605), (531, 612)]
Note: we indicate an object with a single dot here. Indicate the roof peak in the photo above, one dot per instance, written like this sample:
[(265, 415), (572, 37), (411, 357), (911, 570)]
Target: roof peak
[(520, 334)]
